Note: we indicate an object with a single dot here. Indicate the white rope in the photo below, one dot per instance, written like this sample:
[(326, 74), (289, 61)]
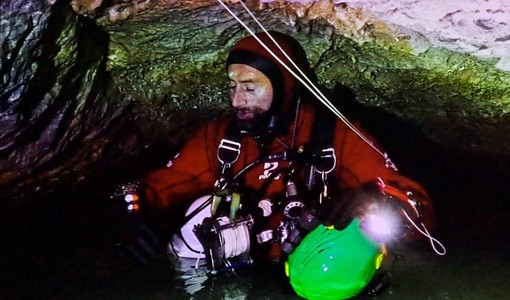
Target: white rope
[(305, 80), (235, 240), (425, 232)]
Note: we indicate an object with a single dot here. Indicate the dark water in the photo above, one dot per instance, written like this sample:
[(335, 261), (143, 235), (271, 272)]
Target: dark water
[(60, 247)]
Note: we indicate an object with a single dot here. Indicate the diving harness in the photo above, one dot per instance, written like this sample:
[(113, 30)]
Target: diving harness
[(223, 227)]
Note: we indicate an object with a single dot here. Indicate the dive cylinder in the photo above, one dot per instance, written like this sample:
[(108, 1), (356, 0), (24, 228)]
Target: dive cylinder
[(184, 244)]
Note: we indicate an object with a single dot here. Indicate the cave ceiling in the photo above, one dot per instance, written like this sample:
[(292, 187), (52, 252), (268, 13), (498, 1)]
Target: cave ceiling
[(87, 84)]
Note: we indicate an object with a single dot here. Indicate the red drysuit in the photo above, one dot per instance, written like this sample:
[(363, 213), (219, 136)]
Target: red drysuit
[(194, 171)]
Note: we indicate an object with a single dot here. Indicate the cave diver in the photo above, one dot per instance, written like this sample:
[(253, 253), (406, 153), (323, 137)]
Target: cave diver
[(281, 179)]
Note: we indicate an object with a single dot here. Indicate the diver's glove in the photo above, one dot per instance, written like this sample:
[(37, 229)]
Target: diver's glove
[(405, 200), (136, 238), (385, 211), (352, 203)]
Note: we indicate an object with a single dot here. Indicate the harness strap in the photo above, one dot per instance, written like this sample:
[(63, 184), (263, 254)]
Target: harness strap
[(228, 153)]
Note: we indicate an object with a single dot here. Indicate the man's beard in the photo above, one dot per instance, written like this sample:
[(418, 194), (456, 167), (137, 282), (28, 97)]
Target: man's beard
[(250, 120)]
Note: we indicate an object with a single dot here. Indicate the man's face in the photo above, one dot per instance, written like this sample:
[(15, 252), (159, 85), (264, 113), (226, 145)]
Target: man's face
[(251, 91)]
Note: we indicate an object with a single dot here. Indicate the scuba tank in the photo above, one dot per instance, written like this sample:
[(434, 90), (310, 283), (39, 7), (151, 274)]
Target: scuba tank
[(185, 244)]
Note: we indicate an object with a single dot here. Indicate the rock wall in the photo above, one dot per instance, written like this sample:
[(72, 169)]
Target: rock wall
[(87, 85), (478, 27), (400, 56)]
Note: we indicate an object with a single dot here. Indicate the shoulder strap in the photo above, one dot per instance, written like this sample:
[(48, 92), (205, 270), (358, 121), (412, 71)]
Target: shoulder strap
[(323, 125), (321, 141), (321, 145)]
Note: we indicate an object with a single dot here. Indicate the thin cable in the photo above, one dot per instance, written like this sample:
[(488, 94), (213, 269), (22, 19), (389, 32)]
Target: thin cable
[(198, 260), (425, 232), (309, 84), (296, 118)]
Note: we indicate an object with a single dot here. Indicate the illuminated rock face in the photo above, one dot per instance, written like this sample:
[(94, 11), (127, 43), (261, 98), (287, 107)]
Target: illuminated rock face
[(478, 27), (95, 83)]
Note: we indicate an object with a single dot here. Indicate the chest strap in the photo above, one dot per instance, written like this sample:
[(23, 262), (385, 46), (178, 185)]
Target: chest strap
[(228, 153)]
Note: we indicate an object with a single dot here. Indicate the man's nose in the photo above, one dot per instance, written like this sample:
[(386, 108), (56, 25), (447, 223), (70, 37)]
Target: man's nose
[(238, 99)]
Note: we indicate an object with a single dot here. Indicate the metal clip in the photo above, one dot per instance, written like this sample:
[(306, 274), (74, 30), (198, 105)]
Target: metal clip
[(326, 154), (414, 204), (233, 149), (324, 193), (388, 163)]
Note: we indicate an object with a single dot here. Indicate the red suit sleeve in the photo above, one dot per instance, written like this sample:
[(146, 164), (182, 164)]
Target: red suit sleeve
[(189, 175)]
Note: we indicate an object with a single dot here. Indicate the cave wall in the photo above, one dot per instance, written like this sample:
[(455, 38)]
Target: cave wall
[(59, 113), (458, 98), (87, 85)]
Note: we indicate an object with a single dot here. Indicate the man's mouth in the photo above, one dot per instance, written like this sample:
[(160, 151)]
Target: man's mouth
[(245, 115)]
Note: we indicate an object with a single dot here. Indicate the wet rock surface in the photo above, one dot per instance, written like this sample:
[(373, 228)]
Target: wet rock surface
[(88, 85)]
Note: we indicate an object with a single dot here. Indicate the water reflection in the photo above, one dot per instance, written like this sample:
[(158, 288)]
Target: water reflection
[(199, 284), (192, 272), (59, 248)]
